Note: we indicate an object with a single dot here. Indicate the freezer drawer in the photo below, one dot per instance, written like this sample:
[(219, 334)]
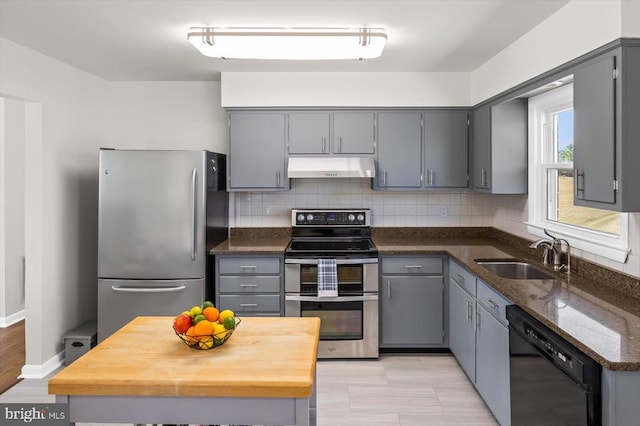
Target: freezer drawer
[(120, 301)]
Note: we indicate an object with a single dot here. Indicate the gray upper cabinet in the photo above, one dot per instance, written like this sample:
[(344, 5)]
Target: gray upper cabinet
[(256, 151), (309, 132), (353, 132), (606, 102), (500, 148), (446, 153), (399, 147)]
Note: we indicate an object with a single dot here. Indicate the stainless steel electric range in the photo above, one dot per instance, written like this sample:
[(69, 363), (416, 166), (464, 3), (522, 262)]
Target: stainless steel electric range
[(349, 322)]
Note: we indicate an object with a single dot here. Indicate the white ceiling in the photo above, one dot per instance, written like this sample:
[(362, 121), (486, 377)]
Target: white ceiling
[(146, 40)]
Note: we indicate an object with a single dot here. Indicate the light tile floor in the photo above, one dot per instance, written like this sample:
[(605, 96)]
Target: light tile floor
[(396, 390)]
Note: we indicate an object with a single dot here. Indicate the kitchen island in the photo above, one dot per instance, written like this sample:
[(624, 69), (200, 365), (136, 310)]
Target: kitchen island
[(143, 373)]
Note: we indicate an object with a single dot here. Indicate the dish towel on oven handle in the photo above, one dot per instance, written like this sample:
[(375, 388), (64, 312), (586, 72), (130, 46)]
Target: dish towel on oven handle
[(327, 278)]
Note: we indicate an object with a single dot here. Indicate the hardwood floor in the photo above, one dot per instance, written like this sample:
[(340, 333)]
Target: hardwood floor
[(12, 356), (396, 390)]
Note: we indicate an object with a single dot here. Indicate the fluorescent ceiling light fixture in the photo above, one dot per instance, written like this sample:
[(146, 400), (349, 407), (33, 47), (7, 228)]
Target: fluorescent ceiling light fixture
[(288, 43)]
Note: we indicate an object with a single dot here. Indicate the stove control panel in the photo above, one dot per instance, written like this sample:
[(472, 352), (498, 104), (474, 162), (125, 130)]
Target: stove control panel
[(342, 217)]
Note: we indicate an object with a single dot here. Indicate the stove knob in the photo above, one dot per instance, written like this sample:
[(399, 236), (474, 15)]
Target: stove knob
[(300, 217), (360, 217), (351, 218), (309, 217)]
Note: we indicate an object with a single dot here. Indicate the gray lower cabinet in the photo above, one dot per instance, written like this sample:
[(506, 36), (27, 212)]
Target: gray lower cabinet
[(500, 148), (606, 102), (249, 285), (492, 356), (479, 338), (462, 328), (256, 158), (412, 296)]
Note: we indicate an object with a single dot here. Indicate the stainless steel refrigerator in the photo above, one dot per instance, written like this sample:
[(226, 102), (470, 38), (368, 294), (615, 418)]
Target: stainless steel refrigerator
[(159, 214)]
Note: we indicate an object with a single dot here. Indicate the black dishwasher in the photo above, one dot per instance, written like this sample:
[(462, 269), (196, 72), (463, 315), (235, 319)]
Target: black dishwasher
[(553, 383)]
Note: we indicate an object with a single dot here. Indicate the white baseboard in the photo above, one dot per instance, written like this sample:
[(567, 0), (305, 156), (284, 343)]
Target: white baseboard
[(12, 319), (43, 370)]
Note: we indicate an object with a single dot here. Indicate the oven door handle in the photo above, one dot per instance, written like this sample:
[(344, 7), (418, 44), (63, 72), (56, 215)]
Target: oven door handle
[(338, 261), (364, 298)]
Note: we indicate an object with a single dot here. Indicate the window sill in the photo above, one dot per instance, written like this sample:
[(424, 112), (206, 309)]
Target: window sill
[(614, 250)]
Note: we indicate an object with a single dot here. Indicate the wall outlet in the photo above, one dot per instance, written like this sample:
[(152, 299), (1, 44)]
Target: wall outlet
[(444, 211)]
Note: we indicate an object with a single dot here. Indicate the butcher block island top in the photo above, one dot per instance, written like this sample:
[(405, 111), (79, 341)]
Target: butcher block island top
[(265, 358)]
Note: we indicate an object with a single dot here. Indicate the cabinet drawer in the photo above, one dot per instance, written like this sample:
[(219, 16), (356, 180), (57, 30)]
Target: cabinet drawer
[(250, 284), (493, 301), (462, 277), (412, 265), (250, 303), (249, 265)]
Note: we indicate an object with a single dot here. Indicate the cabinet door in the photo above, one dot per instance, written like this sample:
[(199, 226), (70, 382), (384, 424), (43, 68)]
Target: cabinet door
[(412, 310), (399, 147), (508, 148), (492, 365), (353, 133), (481, 147), (594, 134), (308, 132), (256, 150), (462, 328), (446, 149)]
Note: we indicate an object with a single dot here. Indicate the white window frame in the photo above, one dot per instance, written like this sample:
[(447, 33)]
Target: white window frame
[(602, 244)]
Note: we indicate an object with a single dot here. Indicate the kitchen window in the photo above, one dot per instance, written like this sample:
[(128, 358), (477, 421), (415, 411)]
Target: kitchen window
[(551, 183)]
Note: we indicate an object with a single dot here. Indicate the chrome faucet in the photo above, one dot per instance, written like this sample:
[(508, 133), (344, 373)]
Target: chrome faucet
[(553, 251)]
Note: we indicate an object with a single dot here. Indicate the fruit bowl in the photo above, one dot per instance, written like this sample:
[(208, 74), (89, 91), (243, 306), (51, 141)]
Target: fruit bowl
[(208, 341)]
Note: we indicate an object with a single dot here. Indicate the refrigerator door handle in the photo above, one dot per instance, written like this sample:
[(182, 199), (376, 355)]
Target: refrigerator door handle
[(194, 211), (147, 289)]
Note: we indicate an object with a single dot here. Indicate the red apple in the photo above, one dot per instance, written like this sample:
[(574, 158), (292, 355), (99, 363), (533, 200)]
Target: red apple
[(181, 323)]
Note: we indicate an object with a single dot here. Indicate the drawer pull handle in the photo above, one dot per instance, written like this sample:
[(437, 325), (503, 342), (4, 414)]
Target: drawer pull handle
[(413, 266), (248, 305), (493, 304), (469, 311), (248, 285), (248, 266)]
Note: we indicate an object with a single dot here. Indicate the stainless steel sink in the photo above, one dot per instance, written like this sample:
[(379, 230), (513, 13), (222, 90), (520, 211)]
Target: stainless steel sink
[(515, 270)]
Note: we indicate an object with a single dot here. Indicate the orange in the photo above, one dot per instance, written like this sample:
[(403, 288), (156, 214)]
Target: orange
[(211, 313), (204, 328), (191, 335)]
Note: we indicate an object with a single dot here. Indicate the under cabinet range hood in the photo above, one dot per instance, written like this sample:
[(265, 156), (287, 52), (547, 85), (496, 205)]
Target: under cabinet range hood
[(331, 167)]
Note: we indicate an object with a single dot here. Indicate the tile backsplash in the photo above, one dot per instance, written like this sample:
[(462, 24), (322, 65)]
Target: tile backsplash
[(273, 209), (405, 209)]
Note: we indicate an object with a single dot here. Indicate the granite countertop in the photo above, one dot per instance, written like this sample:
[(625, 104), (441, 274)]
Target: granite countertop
[(601, 321), (594, 310), (254, 241)]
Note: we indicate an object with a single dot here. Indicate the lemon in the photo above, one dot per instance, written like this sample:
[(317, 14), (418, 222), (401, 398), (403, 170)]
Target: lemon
[(229, 323), (219, 331), (195, 311), (227, 313), (206, 343)]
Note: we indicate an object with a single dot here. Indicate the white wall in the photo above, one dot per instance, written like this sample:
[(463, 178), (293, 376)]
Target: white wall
[(379, 89), (12, 229), (574, 30), (60, 191), (630, 18), (167, 115)]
